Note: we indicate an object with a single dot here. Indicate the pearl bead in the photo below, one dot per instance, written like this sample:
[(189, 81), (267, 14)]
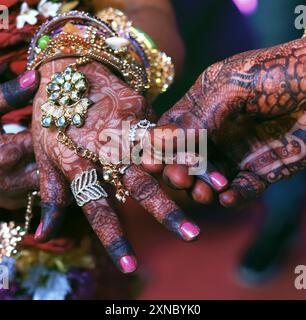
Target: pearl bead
[(116, 43)]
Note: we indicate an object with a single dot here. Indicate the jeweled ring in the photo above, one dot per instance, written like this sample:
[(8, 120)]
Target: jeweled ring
[(85, 187), (66, 104), (142, 124)]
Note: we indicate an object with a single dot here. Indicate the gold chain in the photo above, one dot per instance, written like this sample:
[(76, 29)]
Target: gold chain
[(112, 173), (78, 150), (29, 210)]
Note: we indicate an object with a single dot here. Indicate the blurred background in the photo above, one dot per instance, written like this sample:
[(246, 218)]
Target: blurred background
[(247, 253)]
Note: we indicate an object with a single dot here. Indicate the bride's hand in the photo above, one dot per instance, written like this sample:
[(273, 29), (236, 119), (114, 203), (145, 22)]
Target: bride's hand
[(114, 101)]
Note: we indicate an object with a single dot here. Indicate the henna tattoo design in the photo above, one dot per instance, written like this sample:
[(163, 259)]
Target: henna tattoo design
[(104, 221), (282, 157), (114, 102), (18, 173), (106, 225), (146, 190), (237, 99), (51, 221), (249, 185)]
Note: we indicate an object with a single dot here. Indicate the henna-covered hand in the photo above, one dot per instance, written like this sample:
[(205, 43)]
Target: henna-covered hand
[(114, 101), (253, 107), (18, 171)]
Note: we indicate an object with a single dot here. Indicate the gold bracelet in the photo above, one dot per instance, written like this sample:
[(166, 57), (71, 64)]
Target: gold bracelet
[(68, 44), (110, 39), (159, 68)]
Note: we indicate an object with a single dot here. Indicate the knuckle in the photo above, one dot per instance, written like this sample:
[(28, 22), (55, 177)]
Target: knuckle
[(145, 188), (249, 185), (147, 191)]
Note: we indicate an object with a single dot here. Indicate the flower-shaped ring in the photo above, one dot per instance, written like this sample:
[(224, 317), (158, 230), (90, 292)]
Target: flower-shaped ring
[(66, 104)]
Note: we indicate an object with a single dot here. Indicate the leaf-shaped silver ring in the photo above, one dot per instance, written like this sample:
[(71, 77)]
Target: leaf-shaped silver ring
[(85, 187)]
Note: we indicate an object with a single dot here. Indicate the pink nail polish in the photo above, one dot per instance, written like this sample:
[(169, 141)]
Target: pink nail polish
[(189, 230), (38, 230), (128, 264), (27, 79), (218, 180)]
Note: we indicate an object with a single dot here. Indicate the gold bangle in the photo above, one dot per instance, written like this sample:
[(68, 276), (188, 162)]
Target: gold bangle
[(67, 45), (142, 65), (160, 68)]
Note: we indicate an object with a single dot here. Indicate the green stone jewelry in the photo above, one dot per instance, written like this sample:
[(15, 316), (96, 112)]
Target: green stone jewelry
[(66, 103)]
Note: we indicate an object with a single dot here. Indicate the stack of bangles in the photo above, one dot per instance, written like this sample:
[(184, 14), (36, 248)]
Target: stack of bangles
[(113, 41)]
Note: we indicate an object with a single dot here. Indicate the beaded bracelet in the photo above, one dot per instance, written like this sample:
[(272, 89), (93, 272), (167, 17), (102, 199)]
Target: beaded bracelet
[(80, 35), (111, 40), (159, 66)]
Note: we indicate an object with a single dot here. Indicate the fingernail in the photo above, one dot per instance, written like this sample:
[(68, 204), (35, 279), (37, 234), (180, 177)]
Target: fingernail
[(189, 230), (128, 264), (38, 231), (27, 79), (218, 180)]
